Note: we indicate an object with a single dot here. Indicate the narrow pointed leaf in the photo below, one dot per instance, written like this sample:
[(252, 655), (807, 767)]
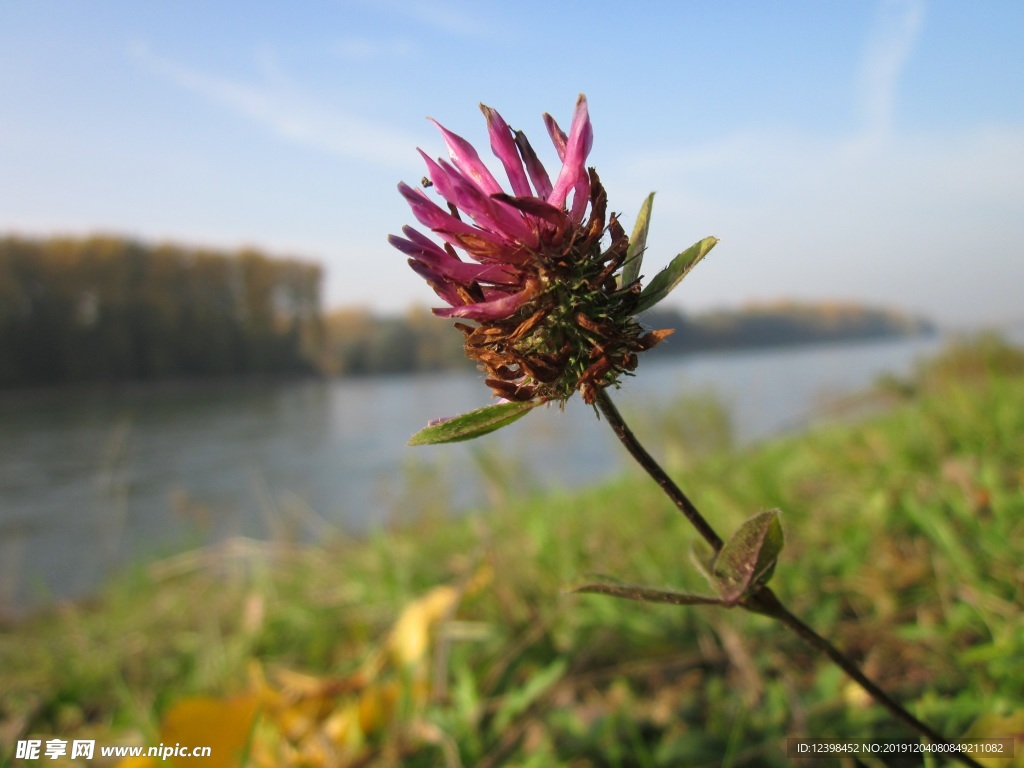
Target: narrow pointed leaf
[(637, 243), (663, 282), (748, 558), (473, 424), (644, 594)]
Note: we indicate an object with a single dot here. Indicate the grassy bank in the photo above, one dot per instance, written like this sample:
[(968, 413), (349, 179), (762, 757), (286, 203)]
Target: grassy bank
[(453, 642)]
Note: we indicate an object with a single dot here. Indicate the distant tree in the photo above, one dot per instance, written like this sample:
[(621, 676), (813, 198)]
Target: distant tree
[(110, 309)]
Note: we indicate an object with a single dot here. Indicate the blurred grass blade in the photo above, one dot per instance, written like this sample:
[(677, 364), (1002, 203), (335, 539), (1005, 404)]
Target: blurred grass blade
[(473, 424), (518, 700), (637, 243), (663, 282), (703, 558)]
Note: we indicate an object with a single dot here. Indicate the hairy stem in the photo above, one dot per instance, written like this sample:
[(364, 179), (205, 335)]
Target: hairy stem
[(764, 601), (638, 452)]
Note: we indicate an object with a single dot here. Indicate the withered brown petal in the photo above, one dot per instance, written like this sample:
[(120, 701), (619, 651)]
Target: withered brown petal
[(653, 338), (510, 391)]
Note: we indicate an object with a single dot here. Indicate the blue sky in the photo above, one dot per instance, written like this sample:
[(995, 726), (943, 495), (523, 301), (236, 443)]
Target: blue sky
[(867, 151)]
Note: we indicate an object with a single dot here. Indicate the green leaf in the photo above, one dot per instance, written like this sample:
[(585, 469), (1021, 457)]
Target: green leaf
[(637, 243), (643, 594), (748, 558), (663, 282), (518, 700), (473, 424)]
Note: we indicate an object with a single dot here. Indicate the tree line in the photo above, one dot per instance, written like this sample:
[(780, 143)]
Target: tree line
[(106, 309), (778, 324), (361, 342)]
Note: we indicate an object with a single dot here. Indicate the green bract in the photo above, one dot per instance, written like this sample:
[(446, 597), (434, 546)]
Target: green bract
[(472, 424)]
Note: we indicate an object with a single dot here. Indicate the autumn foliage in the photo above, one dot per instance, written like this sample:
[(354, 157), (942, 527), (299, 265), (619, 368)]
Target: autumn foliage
[(107, 309)]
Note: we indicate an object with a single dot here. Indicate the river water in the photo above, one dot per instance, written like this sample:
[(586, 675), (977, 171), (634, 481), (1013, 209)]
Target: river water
[(89, 483)]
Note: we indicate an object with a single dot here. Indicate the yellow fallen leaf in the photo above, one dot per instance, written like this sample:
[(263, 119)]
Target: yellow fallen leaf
[(137, 762), (377, 706), (223, 725), (298, 683), (410, 636), (309, 720), (342, 727)]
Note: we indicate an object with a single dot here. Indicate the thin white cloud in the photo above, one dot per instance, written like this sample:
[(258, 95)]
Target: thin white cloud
[(441, 16), (277, 105), (888, 49), (924, 220), (366, 49)]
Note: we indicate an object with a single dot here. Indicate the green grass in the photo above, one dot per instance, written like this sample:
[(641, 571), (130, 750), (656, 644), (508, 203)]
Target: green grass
[(905, 536)]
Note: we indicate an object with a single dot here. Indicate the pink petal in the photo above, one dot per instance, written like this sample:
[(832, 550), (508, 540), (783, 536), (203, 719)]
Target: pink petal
[(415, 246), (441, 287), (504, 148), (490, 213), (430, 215), (495, 309), (455, 269), (558, 137), (539, 176), (468, 161), (580, 140), (446, 183), (535, 208), (580, 198), (419, 238)]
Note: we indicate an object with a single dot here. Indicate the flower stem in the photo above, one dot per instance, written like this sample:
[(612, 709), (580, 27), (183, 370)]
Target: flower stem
[(764, 601), (638, 452)]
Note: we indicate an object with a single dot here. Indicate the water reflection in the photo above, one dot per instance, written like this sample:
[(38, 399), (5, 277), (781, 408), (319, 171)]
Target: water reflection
[(88, 483)]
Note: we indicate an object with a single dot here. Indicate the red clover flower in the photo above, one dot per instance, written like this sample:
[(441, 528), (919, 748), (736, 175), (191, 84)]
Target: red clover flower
[(551, 308)]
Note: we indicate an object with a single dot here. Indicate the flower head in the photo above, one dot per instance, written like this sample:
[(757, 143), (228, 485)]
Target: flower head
[(543, 289)]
